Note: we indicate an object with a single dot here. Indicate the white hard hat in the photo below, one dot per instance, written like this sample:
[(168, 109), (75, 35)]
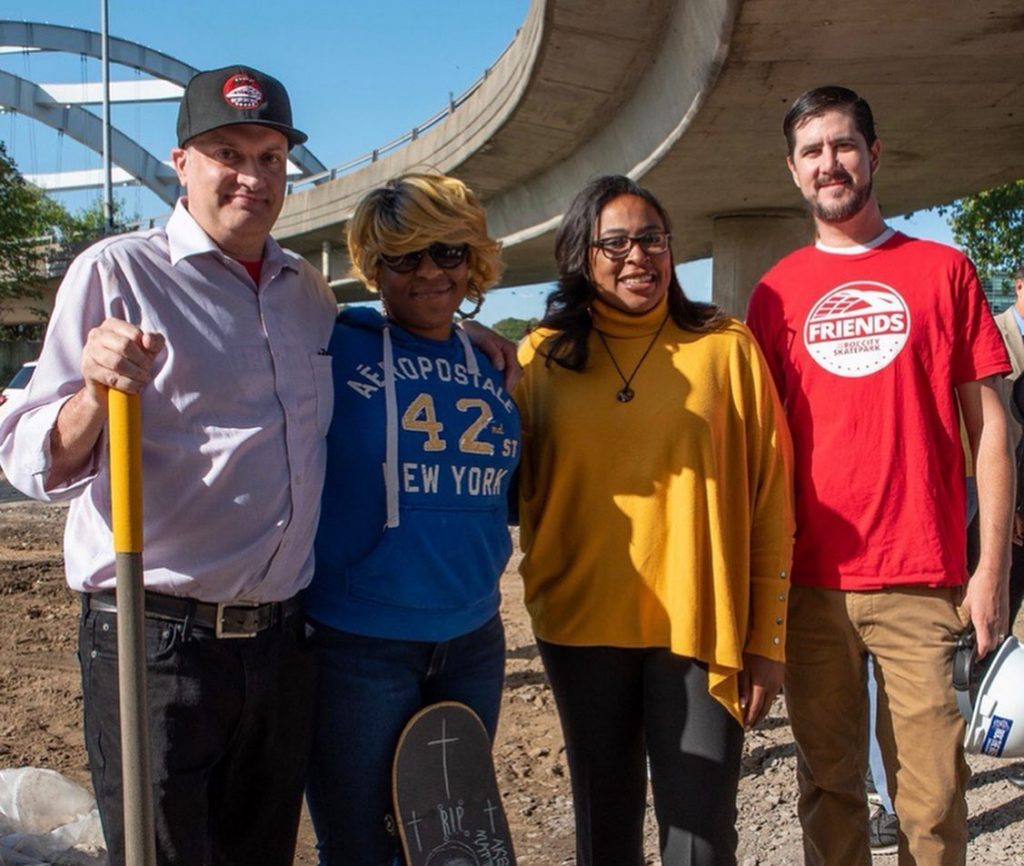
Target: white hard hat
[(993, 708)]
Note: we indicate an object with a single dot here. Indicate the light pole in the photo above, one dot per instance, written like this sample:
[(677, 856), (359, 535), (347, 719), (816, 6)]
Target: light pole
[(108, 192)]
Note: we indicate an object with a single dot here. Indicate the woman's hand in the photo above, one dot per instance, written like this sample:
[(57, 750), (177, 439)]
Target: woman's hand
[(759, 682)]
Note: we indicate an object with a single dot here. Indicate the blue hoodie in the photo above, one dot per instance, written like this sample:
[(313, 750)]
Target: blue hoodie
[(413, 533)]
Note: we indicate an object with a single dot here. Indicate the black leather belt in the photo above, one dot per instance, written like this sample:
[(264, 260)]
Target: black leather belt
[(238, 619)]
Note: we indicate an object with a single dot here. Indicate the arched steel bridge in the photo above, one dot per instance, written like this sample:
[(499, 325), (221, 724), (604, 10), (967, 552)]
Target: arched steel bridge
[(55, 106)]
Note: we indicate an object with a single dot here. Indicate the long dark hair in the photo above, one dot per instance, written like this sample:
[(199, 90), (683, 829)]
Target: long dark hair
[(568, 306)]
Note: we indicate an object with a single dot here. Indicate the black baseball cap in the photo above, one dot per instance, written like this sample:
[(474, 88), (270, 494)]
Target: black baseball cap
[(231, 95)]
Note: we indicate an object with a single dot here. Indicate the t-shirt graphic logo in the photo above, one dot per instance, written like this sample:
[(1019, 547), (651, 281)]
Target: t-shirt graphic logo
[(857, 329)]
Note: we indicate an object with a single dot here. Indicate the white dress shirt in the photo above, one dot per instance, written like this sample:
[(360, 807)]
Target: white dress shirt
[(233, 422)]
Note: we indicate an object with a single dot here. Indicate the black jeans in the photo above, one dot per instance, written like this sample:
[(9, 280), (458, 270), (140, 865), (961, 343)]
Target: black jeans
[(616, 706), (230, 723)]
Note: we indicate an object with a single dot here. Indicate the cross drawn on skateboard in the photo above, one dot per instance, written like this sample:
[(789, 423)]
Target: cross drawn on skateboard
[(446, 798)]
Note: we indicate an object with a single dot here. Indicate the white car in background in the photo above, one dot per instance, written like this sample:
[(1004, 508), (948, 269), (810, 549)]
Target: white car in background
[(15, 389)]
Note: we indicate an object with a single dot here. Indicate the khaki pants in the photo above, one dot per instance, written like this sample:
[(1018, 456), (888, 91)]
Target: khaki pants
[(911, 632)]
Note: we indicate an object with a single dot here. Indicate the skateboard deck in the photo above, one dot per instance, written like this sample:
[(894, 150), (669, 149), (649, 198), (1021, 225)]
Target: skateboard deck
[(447, 806)]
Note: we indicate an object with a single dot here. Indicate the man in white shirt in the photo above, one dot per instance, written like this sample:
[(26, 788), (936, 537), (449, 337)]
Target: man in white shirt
[(223, 334), (1011, 325)]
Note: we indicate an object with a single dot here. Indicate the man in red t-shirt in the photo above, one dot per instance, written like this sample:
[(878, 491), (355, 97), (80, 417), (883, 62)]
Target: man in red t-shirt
[(874, 340)]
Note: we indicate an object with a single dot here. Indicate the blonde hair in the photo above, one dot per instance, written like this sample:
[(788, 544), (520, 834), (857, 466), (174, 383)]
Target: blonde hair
[(413, 211)]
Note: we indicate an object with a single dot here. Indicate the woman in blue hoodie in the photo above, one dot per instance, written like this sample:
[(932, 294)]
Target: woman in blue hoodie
[(413, 533)]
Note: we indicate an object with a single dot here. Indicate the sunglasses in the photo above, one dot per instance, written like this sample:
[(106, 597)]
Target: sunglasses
[(444, 256), (618, 247)]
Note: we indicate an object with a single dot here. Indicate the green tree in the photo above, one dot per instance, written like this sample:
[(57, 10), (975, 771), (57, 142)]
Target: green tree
[(38, 237), (90, 224), (27, 216), (512, 328), (990, 227)]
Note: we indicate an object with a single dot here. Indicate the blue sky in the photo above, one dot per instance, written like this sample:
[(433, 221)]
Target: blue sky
[(359, 75)]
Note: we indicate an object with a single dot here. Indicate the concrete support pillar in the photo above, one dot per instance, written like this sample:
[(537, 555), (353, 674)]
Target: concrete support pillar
[(744, 246), (325, 259)]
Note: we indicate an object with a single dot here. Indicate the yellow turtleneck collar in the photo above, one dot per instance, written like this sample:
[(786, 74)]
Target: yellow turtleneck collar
[(614, 322)]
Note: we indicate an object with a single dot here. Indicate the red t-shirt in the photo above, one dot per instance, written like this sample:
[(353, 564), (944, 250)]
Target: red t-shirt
[(866, 346), (254, 269)]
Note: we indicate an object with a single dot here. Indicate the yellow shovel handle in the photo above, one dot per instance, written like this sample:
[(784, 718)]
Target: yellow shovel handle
[(125, 427), (125, 419)]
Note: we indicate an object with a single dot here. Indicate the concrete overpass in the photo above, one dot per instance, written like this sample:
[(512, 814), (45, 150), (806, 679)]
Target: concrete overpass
[(688, 96)]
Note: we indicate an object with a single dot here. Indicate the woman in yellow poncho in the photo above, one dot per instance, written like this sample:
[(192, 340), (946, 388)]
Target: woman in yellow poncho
[(657, 528)]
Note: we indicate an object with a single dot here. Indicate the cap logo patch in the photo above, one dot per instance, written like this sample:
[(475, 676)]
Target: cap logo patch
[(243, 92), (857, 329)]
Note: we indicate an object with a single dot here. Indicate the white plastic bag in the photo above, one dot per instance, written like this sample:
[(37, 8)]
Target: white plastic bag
[(46, 818)]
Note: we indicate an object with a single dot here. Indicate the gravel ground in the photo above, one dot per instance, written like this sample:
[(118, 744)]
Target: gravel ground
[(40, 723)]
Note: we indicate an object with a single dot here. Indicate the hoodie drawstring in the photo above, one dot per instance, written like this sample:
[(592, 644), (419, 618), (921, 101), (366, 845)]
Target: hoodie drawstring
[(391, 433), (467, 346), (390, 467)]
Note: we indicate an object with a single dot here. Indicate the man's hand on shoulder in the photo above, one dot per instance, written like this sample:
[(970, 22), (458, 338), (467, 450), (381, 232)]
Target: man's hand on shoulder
[(502, 352)]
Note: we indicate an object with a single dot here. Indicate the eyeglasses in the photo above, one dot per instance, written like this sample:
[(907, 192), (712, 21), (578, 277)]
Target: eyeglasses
[(444, 256), (618, 247)]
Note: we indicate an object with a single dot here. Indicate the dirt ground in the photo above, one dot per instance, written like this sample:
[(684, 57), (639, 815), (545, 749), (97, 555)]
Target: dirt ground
[(40, 723)]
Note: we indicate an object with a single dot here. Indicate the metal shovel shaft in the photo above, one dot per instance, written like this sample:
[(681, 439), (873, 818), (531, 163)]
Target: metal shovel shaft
[(125, 426)]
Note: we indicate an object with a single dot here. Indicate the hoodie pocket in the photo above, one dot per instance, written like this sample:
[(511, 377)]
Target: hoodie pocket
[(435, 561)]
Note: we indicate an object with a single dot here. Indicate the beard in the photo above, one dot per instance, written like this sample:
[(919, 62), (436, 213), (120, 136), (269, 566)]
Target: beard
[(841, 211)]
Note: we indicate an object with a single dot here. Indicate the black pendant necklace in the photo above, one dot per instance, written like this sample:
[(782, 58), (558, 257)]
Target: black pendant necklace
[(626, 393)]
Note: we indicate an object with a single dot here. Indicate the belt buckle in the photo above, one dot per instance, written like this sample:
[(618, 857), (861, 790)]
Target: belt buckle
[(218, 625)]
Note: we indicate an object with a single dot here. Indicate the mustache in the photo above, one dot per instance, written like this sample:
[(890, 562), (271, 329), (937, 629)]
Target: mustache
[(838, 176)]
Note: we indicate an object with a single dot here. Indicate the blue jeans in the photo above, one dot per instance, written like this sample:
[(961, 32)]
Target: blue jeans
[(875, 763), (368, 689)]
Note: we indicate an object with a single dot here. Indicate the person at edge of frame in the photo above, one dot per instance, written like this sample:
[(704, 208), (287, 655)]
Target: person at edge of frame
[(1011, 325)]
